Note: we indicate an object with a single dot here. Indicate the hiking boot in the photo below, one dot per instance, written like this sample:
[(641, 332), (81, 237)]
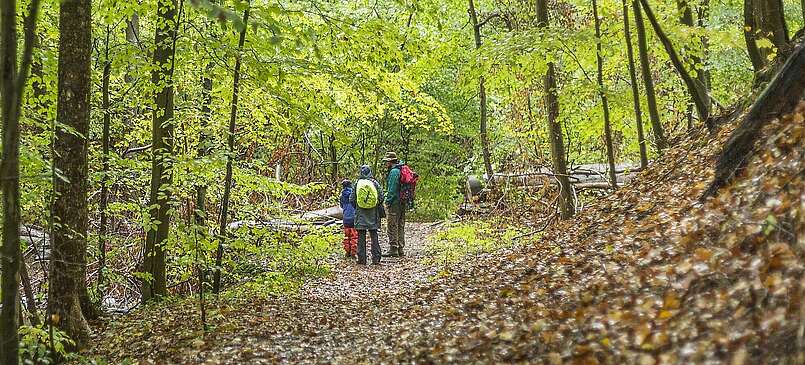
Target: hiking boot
[(375, 263), (392, 253)]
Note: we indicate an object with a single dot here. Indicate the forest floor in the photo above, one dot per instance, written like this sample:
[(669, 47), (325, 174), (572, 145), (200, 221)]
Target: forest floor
[(647, 275)]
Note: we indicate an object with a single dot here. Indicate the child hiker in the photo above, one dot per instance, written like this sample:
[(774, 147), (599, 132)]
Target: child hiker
[(350, 234)]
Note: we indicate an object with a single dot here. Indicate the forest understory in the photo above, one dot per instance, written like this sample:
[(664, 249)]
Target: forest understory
[(650, 274)]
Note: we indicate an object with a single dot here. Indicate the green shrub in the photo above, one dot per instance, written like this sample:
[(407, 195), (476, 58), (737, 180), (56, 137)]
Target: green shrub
[(467, 238)]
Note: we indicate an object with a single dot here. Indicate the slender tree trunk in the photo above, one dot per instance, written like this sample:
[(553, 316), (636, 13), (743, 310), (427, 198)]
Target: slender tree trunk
[(645, 70), (333, 158), (613, 180), (703, 18), (686, 18), (133, 37), (12, 84), (697, 93), (30, 299), (774, 25), (103, 230), (750, 29), (162, 150), (641, 140), (224, 219), (68, 258), (481, 95), (9, 174), (566, 205)]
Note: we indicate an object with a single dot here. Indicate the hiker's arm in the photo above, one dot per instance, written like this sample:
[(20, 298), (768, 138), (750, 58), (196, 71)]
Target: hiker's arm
[(380, 195), (353, 198), (393, 185)]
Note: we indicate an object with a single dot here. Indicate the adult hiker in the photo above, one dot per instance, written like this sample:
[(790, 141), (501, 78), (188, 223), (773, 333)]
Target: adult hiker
[(350, 234), (367, 197), (394, 207)]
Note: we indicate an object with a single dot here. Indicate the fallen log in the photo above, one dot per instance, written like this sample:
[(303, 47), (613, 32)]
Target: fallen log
[(323, 214)]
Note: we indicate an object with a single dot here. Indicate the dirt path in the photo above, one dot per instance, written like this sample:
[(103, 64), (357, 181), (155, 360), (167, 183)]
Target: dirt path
[(334, 319), (349, 281)]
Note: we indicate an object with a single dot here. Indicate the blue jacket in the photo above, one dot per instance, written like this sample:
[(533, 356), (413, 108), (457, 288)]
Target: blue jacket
[(348, 207)]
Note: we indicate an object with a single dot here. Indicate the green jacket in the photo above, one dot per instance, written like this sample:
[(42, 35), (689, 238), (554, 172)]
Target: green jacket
[(393, 185)]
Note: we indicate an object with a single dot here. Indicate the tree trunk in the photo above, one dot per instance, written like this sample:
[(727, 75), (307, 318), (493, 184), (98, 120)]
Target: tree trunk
[(779, 98), (132, 37), (604, 101), (103, 230), (566, 205), (333, 159), (773, 24), (703, 16), (696, 91), (476, 27), (686, 18), (216, 287), (162, 150), (641, 140), (12, 84), (30, 299), (645, 70), (750, 29), (68, 258)]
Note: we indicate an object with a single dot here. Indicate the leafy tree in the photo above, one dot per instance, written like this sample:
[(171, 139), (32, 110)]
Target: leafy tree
[(68, 260)]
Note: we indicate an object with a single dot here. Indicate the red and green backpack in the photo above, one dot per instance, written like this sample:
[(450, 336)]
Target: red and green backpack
[(408, 180)]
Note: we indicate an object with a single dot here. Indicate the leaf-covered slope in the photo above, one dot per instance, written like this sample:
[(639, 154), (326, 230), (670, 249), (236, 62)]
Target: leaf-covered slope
[(648, 274)]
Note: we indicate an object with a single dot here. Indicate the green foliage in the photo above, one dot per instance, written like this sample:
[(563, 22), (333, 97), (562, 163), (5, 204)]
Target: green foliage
[(35, 345), (460, 240), (437, 198), (288, 262)]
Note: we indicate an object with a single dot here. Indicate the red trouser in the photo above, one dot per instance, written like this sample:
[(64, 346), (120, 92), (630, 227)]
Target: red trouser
[(351, 241)]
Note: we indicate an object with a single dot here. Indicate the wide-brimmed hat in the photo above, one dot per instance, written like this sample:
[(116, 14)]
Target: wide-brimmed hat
[(390, 156)]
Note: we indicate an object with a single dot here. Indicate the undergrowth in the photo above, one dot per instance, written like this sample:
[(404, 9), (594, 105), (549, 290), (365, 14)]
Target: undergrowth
[(459, 240)]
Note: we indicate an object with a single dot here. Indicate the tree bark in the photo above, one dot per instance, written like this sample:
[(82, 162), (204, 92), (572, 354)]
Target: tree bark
[(333, 159), (30, 299), (68, 258), (773, 22), (12, 83), (703, 16), (641, 140), (696, 62), (224, 219), (750, 29), (604, 101), (566, 205), (779, 98), (476, 27), (162, 150), (103, 230), (696, 91), (645, 69)]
